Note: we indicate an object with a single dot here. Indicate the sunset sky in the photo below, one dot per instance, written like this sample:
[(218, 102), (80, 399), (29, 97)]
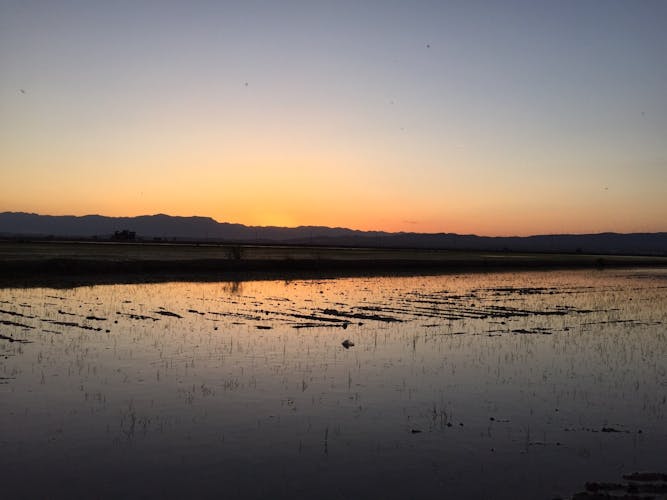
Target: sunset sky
[(494, 118)]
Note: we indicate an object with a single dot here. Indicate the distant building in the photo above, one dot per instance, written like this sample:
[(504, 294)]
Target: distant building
[(124, 235)]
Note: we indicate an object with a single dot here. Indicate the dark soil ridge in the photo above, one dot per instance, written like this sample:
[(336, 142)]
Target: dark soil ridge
[(638, 486)]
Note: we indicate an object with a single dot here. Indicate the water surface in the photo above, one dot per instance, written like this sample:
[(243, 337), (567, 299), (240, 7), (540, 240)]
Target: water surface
[(508, 385)]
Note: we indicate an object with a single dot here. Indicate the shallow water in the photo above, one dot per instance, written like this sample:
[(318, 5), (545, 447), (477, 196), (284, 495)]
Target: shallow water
[(508, 385)]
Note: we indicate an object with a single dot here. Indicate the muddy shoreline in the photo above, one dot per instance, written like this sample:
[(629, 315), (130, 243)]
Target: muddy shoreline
[(67, 263), (79, 271)]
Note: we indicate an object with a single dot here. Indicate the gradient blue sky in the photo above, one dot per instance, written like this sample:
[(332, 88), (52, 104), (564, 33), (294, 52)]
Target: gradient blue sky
[(472, 117)]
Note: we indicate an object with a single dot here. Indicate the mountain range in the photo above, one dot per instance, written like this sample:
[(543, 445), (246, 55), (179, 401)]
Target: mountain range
[(162, 227)]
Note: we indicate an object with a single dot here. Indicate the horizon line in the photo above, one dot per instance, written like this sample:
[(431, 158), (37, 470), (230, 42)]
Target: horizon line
[(331, 227)]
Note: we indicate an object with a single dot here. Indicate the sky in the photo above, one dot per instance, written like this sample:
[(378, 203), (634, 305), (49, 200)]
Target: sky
[(492, 118)]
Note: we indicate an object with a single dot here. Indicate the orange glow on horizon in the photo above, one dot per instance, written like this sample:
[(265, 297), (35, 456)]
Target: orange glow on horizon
[(540, 223)]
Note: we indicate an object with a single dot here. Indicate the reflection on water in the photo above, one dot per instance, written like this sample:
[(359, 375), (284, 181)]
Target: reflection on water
[(519, 385)]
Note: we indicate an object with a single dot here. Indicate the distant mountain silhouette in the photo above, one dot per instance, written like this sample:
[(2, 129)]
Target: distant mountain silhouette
[(171, 228), (160, 226)]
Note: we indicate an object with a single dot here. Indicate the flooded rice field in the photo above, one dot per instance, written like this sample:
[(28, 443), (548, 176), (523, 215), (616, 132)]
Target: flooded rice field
[(510, 385)]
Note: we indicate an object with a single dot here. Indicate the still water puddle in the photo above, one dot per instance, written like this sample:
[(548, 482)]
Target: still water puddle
[(523, 385)]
